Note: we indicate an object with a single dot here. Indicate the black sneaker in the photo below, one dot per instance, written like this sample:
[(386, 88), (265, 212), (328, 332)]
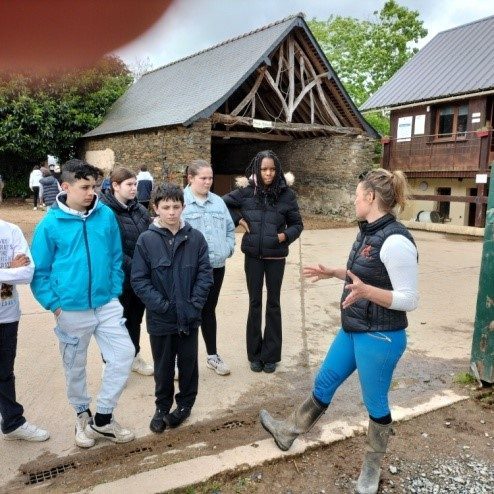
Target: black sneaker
[(256, 366), (178, 415), (269, 367), (157, 424)]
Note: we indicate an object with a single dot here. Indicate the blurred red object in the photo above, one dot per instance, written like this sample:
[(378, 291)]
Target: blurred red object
[(52, 34)]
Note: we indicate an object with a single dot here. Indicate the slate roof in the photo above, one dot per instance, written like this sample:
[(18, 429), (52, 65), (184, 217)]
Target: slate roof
[(455, 62), (194, 87)]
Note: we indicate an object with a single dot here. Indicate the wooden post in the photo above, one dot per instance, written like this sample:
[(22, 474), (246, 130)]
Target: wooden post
[(482, 356), (480, 208)]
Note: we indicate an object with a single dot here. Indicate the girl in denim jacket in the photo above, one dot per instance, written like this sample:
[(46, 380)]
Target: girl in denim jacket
[(208, 213)]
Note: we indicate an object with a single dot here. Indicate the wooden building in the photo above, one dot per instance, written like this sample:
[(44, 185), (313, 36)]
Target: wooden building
[(441, 107), (272, 88)]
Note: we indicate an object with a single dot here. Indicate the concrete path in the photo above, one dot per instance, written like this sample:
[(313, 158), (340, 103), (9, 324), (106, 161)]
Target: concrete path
[(440, 333)]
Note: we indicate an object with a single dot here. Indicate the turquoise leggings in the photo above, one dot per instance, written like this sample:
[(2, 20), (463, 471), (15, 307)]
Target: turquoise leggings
[(374, 355)]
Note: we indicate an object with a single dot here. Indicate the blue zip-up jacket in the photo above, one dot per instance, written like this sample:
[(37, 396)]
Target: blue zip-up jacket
[(78, 257), (214, 221)]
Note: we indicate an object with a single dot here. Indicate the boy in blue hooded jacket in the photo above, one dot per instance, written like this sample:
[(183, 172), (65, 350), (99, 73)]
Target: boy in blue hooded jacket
[(78, 276)]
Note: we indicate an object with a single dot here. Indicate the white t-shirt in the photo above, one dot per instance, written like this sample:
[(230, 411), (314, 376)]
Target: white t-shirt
[(399, 255), (12, 242)]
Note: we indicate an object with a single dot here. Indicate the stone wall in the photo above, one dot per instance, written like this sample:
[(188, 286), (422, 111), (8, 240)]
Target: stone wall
[(326, 169), (165, 151)]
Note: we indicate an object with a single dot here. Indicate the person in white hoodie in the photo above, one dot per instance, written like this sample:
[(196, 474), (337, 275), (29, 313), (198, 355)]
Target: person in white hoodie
[(34, 184), (144, 186), (16, 267)]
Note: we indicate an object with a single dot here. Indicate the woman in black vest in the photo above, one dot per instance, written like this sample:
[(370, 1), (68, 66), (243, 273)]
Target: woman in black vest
[(266, 207), (380, 287), (133, 219)]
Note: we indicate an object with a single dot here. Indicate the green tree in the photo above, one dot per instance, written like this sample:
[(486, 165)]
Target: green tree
[(46, 114), (366, 53)]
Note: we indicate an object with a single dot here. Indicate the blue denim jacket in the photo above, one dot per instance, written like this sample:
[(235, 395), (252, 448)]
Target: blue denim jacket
[(213, 220)]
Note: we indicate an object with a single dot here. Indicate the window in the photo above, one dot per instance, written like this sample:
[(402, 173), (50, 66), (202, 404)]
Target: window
[(452, 122)]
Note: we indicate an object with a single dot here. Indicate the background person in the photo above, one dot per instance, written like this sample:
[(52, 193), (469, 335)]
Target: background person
[(267, 208), (144, 186), (133, 219), (34, 177), (380, 287), (16, 267), (208, 213), (50, 188)]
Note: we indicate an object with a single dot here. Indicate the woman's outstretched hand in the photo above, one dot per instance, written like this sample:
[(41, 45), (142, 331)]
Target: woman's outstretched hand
[(244, 225), (317, 273), (357, 290)]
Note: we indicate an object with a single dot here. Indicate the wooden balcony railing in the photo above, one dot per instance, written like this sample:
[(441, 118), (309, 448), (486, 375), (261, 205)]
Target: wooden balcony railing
[(430, 153)]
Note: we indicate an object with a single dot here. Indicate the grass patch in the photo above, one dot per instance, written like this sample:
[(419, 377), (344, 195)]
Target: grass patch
[(464, 378)]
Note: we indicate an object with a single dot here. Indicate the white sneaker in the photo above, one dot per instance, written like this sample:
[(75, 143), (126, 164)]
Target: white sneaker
[(35, 208), (112, 431), (216, 363), (81, 439), (27, 432), (140, 366)]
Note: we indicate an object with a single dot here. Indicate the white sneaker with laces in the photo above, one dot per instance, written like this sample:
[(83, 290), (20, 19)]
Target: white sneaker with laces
[(216, 363), (81, 439), (140, 366), (27, 432), (112, 431)]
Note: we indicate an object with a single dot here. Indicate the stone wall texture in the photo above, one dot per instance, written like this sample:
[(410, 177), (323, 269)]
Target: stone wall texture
[(165, 151), (326, 169)]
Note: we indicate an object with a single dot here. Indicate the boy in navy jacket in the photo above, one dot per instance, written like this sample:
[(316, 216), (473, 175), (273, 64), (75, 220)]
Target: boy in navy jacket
[(172, 275)]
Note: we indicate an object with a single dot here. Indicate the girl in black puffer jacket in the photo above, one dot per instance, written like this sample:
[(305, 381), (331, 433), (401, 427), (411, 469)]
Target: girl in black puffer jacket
[(267, 208), (133, 219)]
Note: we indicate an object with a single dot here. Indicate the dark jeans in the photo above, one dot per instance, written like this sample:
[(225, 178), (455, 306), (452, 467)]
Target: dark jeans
[(265, 348), (208, 315), (11, 411), (133, 310), (165, 350), (35, 196)]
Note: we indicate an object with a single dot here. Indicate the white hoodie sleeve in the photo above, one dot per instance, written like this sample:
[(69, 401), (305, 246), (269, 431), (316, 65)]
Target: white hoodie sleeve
[(15, 276)]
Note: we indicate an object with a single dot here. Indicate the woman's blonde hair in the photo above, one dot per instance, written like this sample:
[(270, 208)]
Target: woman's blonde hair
[(391, 188)]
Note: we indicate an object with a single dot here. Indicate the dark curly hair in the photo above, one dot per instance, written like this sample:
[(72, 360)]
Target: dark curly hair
[(253, 172)]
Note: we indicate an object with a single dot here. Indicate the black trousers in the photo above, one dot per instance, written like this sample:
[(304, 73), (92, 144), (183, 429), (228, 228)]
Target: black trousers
[(208, 315), (12, 412), (35, 196), (265, 348), (165, 350), (133, 311)]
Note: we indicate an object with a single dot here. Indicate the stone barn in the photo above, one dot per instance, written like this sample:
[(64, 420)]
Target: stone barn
[(272, 88)]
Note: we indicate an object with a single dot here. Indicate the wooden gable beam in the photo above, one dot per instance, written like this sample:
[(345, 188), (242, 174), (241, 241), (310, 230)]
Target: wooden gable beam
[(251, 94)]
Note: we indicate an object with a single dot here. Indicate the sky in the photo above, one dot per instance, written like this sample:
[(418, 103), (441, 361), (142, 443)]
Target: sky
[(189, 26)]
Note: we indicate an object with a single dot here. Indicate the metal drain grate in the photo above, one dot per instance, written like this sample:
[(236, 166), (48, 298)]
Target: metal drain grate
[(138, 450), (234, 424), (38, 477)]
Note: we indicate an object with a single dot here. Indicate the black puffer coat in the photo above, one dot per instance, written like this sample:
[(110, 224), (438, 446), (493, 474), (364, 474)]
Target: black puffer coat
[(133, 219), (172, 275), (265, 220), (50, 189)]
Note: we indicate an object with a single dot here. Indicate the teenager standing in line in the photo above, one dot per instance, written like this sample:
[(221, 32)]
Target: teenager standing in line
[(267, 208), (208, 213), (133, 219)]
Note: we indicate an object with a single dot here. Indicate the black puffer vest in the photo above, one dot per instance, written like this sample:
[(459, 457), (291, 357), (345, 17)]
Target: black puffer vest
[(364, 261)]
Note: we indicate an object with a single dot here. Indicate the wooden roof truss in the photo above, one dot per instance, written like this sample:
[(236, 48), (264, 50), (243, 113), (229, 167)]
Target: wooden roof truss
[(292, 96)]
